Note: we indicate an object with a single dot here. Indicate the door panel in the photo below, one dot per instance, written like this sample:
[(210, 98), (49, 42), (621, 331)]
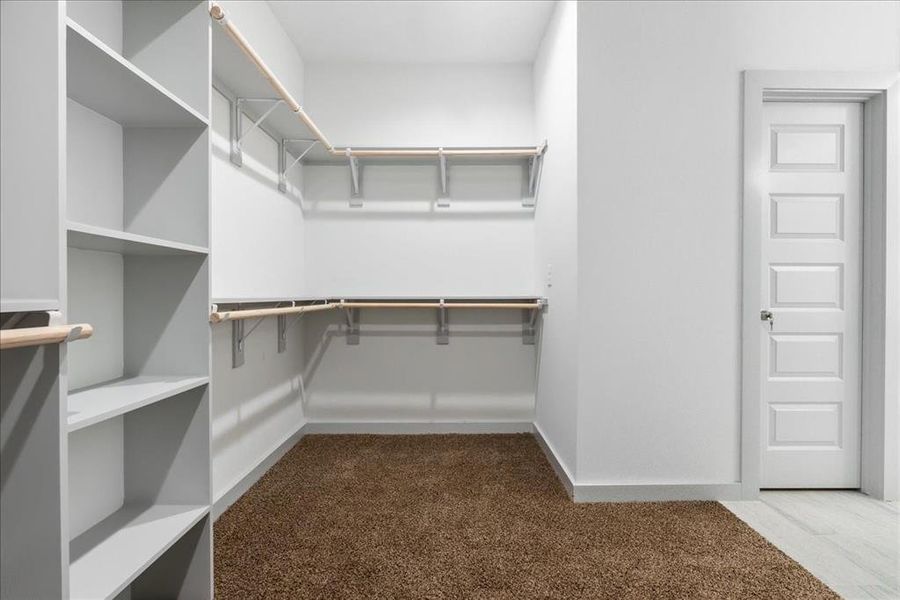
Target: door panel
[(811, 255)]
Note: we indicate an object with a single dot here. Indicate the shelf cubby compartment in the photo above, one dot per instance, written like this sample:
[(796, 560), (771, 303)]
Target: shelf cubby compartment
[(138, 484), (137, 156), (164, 43), (146, 181), (149, 314), (98, 403)]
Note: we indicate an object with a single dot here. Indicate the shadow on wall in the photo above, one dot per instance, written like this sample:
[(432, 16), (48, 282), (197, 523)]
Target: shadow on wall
[(399, 372), (255, 406), (259, 151), (29, 386)]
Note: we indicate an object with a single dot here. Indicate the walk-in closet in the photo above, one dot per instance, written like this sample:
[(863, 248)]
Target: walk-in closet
[(449, 299)]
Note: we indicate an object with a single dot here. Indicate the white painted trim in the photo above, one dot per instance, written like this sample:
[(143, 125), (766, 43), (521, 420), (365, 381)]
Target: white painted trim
[(416, 427), (656, 492), (882, 479), (584, 492), (240, 487), (568, 482)]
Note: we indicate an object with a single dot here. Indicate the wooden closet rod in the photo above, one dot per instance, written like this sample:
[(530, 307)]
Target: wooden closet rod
[(38, 336), (218, 15), (252, 313), (505, 305)]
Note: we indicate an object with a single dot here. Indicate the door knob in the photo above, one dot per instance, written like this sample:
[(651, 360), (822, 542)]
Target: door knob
[(767, 315)]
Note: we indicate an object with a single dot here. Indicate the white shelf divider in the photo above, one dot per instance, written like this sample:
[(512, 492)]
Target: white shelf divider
[(103, 80), (106, 558), (98, 403), (91, 237)]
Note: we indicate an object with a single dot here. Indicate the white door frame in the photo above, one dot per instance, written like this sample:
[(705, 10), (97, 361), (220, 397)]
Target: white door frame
[(880, 93)]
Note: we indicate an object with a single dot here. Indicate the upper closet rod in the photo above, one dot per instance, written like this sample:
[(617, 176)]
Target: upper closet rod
[(38, 336), (218, 15)]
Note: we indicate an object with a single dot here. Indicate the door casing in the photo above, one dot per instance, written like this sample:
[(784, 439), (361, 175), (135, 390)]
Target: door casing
[(880, 95)]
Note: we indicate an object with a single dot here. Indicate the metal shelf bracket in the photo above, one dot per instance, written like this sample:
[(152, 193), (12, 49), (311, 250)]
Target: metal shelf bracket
[(529, 322), (355, 194), (443, 198), (443, 332), (237, 124), (283, 326), (535, 164), (283, 166), (352, 316), (238, 340)]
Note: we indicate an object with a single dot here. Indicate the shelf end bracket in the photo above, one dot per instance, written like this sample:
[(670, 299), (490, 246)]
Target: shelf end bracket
[(535, 164), (529, 322)]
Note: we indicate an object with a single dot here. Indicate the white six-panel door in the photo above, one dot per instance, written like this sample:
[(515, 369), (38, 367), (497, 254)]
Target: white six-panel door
[(812, 270)]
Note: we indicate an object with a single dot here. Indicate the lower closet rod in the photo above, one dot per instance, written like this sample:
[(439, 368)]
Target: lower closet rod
[(39, 336), (252, 313), (524, 305)]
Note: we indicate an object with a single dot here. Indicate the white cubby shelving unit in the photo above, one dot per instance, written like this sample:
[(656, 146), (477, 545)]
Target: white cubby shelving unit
[(137, 232), (125, 512)]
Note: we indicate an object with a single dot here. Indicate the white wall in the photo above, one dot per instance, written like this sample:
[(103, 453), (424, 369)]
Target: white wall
[(556, 233), (257, 252), (659, 221), (257, 232), (399, 373), (400, 244), (257, 406), (421, 105)]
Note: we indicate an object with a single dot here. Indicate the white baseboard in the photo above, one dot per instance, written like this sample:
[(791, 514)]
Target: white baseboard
[(561, 472), (240, 487), (663, 492), (656, 492), (579, 492), (418, 427)]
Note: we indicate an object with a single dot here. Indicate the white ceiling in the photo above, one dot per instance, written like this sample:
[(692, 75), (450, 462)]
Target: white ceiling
[(415, 31)]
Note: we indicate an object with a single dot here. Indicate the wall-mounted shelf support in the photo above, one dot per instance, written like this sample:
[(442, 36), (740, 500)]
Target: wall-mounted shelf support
[(237, 123), (352, 316), (283, 167), (284, 325), (282, 332), (529, 322), (444, 197), (238, 340), (443, 332), (535, 164), (355, 193)]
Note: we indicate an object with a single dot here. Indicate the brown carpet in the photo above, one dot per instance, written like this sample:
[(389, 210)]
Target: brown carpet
[(476, 516)]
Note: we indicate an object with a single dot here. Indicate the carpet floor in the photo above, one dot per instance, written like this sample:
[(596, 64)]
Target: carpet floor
[(476, 516)]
